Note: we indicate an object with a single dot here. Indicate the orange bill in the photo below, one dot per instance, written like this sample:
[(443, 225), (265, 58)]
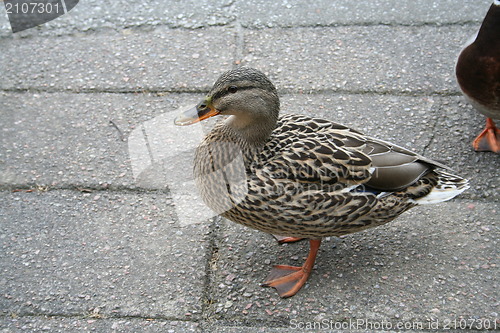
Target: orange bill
[(202, 111)]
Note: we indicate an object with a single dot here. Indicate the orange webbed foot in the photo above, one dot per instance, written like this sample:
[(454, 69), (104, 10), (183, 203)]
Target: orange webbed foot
[(287, 280), (488, 139)]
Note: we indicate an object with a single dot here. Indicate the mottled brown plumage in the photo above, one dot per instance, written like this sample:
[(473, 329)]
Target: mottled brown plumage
[(300, 176)]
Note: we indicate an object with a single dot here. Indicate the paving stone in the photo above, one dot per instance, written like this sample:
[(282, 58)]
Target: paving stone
[(260, 13), (110, 254), (127, 60), (448, 250), (79, 140), (92, 15), (93, 324), (384, 59)]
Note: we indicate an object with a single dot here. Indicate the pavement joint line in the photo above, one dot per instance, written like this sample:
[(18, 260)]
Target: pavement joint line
[(90, 316), (253, 323), (158, 91), (251, 27), (103, 30), (205, 324), (441, 116), (212, 258), (239, 52), (363, 24), (282, 91)]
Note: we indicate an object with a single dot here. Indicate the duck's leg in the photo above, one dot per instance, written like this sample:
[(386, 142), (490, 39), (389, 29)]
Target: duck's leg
[(287, 280), (488, 139), (285, 239)]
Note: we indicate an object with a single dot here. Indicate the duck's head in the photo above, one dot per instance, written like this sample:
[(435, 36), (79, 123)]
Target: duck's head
[(246, 95)]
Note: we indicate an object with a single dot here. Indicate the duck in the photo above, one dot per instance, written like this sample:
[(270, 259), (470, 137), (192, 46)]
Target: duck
[(478, 75), (300, 177)]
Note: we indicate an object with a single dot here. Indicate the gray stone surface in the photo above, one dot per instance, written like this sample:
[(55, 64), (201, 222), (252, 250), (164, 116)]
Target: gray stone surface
[(128, 60), (384, 59), (69, 140), (70, 253), (89, 245), (95, 323), (91, 15), (258, 14)]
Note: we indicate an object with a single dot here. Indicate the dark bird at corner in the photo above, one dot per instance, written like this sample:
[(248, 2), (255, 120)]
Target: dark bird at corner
[(478, 75)]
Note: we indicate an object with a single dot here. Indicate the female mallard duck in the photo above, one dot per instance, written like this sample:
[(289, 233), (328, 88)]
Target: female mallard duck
[(299, 176), (478, 75)]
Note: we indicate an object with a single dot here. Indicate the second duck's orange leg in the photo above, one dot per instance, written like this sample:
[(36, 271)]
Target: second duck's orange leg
[(287, 280), (285, 239), (488, 139)]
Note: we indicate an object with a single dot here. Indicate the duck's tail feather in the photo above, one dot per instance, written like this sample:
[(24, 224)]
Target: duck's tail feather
[(448, 187)]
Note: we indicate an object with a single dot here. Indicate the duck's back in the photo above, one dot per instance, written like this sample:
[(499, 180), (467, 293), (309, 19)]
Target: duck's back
[(315, 178)]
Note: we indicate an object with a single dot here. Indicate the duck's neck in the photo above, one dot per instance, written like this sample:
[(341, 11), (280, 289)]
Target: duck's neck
[(254, 132)]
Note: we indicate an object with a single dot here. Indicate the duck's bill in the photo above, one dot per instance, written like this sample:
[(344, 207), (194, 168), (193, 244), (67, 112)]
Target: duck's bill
[(195, 115)]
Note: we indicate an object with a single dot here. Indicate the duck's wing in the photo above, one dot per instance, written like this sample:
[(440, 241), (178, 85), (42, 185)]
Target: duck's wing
[(314, 150), (395, 167)]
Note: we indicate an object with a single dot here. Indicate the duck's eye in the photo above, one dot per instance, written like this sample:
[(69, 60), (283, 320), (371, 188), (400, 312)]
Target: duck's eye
[(232, 89)]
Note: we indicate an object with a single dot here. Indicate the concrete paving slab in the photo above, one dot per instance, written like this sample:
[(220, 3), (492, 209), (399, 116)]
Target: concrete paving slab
[(260, 13), (128, 60), (109, 254), (92, 15), (64, 325), (376, 58), (384, 59), (434, 264), (74, 140)]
